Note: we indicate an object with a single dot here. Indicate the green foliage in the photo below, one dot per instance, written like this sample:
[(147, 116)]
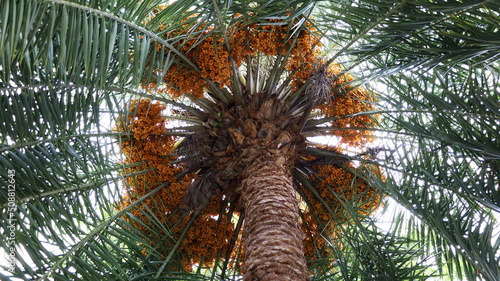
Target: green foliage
[(68, 67)]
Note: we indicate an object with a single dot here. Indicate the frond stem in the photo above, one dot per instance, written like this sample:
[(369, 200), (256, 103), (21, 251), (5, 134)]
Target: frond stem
[(133, 26), (98, 229), (180, 239), (364, 32), (62, 137)]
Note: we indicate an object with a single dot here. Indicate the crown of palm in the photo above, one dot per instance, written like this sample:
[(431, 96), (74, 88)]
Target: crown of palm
[(256, 94)]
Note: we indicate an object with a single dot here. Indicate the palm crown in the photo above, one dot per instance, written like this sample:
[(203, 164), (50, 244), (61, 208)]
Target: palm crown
[(253, 96), (68, 69)]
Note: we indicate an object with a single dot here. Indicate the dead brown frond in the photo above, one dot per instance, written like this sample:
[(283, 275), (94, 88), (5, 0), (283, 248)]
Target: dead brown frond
[(200, 191), (320, 87), (194, 150)]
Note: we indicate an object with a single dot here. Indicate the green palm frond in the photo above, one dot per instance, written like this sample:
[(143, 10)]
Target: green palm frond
[(409, 34), (449, 163), (441, 117), (68, 69)]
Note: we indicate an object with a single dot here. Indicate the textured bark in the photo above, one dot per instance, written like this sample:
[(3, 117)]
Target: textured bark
[(272, 234)]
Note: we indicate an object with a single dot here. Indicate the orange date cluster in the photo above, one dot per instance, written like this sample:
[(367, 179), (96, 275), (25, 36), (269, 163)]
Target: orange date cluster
[(148, 157)]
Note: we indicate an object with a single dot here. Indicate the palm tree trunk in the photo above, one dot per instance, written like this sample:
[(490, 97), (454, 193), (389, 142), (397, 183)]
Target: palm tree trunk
[(272, 235)]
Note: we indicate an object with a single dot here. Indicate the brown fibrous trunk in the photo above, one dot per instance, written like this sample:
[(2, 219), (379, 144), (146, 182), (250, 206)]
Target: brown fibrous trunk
[(272, 234)]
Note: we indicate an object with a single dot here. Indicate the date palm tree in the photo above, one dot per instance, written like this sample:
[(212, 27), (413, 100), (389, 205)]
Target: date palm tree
[(68, 73)]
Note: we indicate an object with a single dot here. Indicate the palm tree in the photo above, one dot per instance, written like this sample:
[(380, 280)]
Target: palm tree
[(69, 68)]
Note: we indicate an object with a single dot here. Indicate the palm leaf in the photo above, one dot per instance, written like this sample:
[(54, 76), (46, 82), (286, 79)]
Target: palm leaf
[(67, 68)]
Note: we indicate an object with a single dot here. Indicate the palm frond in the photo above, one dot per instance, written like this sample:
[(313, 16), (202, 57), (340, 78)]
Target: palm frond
[(448, 162), (409, 34)]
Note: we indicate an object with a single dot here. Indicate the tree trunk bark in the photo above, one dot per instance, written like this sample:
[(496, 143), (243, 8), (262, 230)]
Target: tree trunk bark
[(272, 233)]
